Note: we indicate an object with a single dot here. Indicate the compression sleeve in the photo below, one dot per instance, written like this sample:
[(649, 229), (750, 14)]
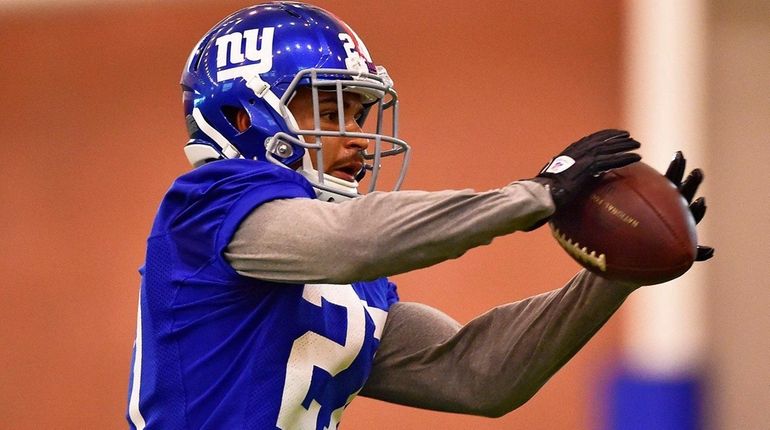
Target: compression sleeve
[(496, 362), (380, 234)]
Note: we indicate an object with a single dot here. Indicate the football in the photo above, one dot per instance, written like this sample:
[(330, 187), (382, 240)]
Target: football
[(632, 225)]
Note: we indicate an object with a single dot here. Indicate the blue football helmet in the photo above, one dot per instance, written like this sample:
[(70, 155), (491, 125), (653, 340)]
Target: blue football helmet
[(256, 59)]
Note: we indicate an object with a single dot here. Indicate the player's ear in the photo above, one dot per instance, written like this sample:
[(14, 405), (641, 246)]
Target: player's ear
[(242, 120)]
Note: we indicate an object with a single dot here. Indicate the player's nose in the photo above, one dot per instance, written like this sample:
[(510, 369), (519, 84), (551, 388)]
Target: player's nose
[(355, 142)]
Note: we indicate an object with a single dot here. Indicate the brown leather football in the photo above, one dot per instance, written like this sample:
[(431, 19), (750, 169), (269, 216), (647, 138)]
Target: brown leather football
[(632, 225)]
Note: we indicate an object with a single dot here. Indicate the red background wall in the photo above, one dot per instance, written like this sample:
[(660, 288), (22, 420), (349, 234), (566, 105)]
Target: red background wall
[(92, 135)]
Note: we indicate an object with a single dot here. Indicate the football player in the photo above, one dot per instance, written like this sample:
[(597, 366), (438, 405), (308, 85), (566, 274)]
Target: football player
[(264, 292)]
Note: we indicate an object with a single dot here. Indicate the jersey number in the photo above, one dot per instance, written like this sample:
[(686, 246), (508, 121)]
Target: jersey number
[(313, 350)]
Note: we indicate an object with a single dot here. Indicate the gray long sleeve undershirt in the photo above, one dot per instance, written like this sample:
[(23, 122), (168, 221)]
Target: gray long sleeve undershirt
[(496, 362), (380, 234), (426, 359)]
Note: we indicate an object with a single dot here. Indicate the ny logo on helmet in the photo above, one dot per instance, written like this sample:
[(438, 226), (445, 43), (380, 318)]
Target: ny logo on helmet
[(232, 52)]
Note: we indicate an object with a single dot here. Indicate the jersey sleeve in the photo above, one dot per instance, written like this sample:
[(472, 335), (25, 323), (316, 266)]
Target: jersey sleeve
[(204, 208), (393, 296), (250, 199)]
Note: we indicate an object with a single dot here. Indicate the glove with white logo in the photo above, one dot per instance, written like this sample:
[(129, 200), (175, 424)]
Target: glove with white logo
[(584, 161)]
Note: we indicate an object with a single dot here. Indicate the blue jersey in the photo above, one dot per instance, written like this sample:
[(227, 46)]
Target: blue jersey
[(217, 350)]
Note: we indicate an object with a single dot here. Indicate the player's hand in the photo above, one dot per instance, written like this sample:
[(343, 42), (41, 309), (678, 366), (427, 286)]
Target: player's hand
[(687, 188), (585, 160)]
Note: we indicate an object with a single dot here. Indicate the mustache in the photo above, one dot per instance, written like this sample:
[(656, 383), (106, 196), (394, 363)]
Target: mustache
[(354, 165)]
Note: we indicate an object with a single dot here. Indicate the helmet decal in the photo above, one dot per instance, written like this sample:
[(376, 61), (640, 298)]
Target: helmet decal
[(232, 52), (357, 59)]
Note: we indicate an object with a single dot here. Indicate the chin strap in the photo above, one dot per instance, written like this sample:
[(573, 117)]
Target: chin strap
[(330, 197), (328, 188)]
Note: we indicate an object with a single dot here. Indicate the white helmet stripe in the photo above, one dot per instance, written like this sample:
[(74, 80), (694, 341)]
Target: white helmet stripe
[(262, 90)]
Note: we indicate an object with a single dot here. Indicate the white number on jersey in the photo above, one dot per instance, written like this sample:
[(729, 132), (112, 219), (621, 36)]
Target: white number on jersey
[(313, 350)]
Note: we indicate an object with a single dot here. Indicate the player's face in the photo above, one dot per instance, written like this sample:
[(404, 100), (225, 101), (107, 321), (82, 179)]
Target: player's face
[(342, 156)]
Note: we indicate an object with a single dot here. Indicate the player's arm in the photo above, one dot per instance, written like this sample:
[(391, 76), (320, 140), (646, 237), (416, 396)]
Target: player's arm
[(497, 361), (380, 234)]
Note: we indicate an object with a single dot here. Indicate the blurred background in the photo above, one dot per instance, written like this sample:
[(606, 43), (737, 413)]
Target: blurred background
[(92, 127)]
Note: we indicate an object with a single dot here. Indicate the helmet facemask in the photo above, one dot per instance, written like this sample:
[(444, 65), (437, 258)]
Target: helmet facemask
[(381, 108)]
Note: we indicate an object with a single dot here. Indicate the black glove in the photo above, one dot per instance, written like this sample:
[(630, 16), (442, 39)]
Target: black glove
[(674, 173), (585, 160)]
